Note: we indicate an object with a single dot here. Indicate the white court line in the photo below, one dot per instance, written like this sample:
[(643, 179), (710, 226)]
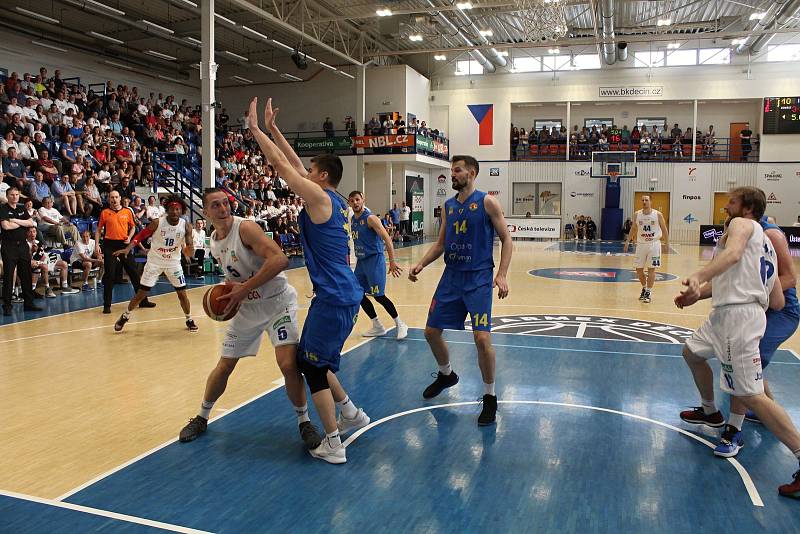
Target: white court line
[(755, 498), (173, 440), (103, 513), (563, 349), (794, 353)]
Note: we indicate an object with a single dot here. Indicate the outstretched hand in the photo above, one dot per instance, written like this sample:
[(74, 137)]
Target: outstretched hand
[(252, 114), (269, 115)]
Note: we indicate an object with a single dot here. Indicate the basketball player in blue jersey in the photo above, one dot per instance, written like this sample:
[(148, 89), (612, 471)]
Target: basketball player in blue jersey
[(469, 222), (369, 238), (743, 279), (324, 231)]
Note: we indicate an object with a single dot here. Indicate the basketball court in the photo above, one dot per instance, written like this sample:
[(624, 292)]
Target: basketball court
[(590, 382)]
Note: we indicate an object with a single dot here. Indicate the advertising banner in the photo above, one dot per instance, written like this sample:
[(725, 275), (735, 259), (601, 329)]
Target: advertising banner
[(691, 205), (710, 234), (781, 182), (415, 197), (322, 144), (383, 141), (538, 228)]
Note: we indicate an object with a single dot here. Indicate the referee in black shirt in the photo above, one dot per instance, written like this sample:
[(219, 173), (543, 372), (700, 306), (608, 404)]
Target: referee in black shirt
[(16, 252)]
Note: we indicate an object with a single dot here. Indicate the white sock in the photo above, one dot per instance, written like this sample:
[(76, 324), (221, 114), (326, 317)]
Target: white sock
[(445, 369), (649, 289), (397, 321), (708, 406), (334, 439), (348, 408), (188, 316), (488, 389), (736, 420), (302, 413), (127, 315), (205, 409)]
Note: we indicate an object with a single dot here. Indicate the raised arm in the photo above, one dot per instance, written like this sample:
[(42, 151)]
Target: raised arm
[(318, 203), (495, 212), (377, 226), (280, 140)]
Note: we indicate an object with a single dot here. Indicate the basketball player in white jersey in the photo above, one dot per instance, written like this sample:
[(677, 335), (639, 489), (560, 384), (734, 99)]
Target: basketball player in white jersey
[(171, 236), (744, 278), (650, 228), (253, 265)]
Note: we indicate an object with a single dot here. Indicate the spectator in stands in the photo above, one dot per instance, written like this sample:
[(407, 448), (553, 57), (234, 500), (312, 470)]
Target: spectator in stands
[(54, 225), (745, 138), (14, 171), (328, 128), (42, 266), (591, 228), (92, 201), (84, 258), (64, 195), (514, 142), (38, 190), (709, 141), (580, 228), (602, 143), (677, 140), (405, 219), (237, 209), (125, 187), (27, 151), (50, 168), (153, 210)]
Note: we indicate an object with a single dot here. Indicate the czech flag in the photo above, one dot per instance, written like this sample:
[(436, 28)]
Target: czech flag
[(484, 114)]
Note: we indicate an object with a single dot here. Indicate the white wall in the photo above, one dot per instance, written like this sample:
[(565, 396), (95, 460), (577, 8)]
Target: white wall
[(378, 186), (385, 90), (17, 54), (418, 92), (706, 83), (782, 147)]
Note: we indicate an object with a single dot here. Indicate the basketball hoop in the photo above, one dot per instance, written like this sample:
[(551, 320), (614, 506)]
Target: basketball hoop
[(613, 177)]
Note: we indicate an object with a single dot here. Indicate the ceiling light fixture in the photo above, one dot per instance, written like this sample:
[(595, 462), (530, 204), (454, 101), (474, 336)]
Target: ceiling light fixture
[(103, 6), (385, 12), (115, 64), (257, 34), (194, 41), (241, 79), (757, 16), (225, 19), (237, 56), (343, 73), (327, 66), (664, 22), (287, 76), (553, 50), (464, 5), (36, 15), (737, 42), (503, 53), (284, 46), (106, 38), (673, 46), (189, 3), (195, 66), (266, 67), (156, 26), (170, 79), (47, 45), (157, 54), (415, 37), (440, 57), (486, 33)]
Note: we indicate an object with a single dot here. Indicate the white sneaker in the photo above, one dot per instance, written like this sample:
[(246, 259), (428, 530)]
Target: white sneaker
[(333, 455), (348, 425), (69, 290), (49, 293), (375, 331), (402, 330)]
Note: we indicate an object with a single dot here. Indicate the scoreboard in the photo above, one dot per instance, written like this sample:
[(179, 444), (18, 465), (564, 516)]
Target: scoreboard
[(614, 135), (782, 115)]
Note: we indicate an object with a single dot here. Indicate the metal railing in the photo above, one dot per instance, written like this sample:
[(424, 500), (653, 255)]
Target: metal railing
[(722, 150), (179, 174)]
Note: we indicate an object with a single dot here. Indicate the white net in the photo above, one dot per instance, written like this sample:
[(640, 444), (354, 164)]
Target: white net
[(542, 20)]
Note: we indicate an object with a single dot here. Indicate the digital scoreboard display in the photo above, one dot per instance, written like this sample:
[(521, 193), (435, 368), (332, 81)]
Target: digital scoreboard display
[(782, 115), (614, 135)]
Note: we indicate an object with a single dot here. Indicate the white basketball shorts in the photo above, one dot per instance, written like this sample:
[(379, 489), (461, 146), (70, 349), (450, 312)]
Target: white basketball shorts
[(648, 255), (276, 315)]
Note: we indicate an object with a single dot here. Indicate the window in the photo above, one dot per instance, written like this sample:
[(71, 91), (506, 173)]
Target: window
[(715, 56), (466, 67), (648, 59), (785, 52), (649, 122), (527, 64), (677, 58), (546, 123), (586, 61), (537, 198), (551, 63), (588, 123)]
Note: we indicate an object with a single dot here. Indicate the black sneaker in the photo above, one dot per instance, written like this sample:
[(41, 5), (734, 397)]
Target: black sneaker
[(697, 416), (441, 383), (196, 426), (147, 304), (106, 309), (310, 435), (489, 411), (120, 324), (191, 326), (641, 295)]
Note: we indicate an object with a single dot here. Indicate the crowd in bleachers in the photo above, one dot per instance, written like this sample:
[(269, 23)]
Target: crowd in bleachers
[(655, 142)]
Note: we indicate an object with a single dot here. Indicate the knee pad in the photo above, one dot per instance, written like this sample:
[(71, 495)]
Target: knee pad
[(316, 377)]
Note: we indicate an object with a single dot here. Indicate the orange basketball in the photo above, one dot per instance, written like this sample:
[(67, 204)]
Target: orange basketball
[(216, 308)]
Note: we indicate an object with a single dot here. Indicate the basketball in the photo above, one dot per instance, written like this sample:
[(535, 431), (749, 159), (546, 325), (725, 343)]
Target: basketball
[(216, 308)]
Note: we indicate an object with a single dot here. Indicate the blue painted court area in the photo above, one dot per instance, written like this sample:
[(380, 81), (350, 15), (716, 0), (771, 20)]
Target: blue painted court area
[(597, 248), (588, 439), (596, 274)]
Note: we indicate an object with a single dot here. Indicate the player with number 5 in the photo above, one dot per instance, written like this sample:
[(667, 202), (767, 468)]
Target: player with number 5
[(469, 222)]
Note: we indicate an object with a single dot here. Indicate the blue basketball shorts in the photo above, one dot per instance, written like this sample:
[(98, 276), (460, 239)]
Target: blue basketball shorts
[(460, 293), (371, 274), (324, 333), (781, 325)]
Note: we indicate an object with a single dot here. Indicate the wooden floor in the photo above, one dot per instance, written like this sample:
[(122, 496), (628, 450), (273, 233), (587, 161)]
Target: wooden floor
[(79, 400)]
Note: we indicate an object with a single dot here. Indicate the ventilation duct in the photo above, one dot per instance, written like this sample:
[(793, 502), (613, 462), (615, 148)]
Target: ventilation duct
[(782, 18), (622, 51), (487, 65), (762, 25), (607, 18)]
